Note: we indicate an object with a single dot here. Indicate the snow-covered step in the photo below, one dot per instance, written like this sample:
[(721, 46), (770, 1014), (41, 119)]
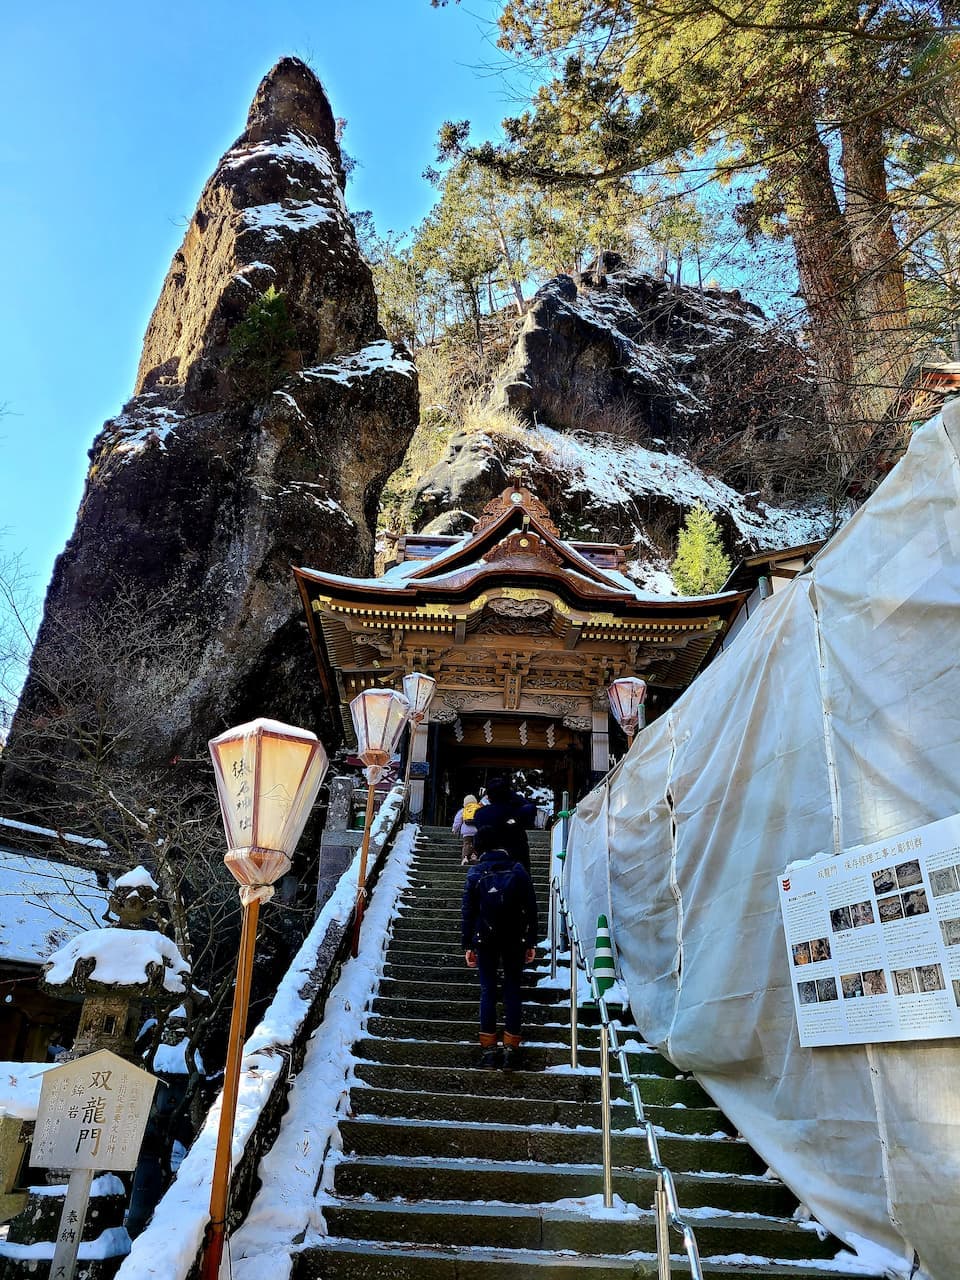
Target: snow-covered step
[(341, 1259), (536, 1182), (556, 1227), (536, 1057), (547, 1144), (579, 1087), (497, 1109)]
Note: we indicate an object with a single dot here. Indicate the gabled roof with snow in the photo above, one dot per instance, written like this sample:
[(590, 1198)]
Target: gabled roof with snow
[(513, 539), (43, 905)]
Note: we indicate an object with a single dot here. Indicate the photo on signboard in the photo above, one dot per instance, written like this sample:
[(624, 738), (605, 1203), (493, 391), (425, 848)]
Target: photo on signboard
[(874, 982), (851, 985), (956, 991), (884, 881), (944, 881), (951, 932), (905, 982), (826, 989), (861, 913), (819, 949), (807, 992), (840, 919), (931, 977), (801, 953), (915, 903), (890, 909), (908, 873)]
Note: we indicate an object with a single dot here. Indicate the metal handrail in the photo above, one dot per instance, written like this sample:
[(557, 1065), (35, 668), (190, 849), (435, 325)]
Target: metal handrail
[(666, 1201)]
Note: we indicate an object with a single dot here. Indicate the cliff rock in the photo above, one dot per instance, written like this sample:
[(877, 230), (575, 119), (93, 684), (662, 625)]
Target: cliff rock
[(626, 399), (201, 494)]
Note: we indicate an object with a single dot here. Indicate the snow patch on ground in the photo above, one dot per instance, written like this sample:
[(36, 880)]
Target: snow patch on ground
[(112, 1243)]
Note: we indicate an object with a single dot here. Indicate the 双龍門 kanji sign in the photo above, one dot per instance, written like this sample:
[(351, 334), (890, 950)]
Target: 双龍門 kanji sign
[(92, 1115)]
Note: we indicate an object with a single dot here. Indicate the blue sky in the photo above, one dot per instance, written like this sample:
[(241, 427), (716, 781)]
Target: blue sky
[(114, 115)]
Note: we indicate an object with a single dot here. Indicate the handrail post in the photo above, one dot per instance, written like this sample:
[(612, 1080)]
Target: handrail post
[(663, 1230), (574, 1014), (605, 1115), (554, 926)]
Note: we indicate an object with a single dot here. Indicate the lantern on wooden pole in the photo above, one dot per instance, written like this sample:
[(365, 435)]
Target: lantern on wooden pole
[(418, 689), (268, 775), (627, 697), (379, 719)]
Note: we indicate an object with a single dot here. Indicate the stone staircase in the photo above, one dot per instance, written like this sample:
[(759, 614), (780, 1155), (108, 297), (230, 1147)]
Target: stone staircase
[(452, 1172)]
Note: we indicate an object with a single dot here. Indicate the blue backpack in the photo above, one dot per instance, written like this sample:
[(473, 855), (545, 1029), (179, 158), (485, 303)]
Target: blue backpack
[(502, 902)]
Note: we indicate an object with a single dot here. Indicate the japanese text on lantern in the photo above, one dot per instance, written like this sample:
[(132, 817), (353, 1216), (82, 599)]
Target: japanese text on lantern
[(244, 794)]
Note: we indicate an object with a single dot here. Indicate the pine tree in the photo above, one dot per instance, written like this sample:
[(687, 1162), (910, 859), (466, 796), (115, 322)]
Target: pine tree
[(809, 103), (262, 345), (701, 566)]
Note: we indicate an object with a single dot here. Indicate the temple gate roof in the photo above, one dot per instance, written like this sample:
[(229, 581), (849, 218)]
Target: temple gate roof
[(510, 618)]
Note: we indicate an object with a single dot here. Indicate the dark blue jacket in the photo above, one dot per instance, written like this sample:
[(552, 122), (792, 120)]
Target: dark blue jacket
[(526, 928), (511, 817)]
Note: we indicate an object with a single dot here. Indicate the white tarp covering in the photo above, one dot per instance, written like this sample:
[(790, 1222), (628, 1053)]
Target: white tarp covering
[(832, 721)]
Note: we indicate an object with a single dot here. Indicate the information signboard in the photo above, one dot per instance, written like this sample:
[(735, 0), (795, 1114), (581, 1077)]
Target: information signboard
[(92, 1115), (873, 939)]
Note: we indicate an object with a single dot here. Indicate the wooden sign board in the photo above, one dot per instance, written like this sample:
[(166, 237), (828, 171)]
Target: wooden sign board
[(93, 1113)]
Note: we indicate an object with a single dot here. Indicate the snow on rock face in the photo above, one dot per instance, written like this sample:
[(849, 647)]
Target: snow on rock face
[(272, 213), (642, 399), (602, 488), (200, 493), (665, 361), (122, 958)]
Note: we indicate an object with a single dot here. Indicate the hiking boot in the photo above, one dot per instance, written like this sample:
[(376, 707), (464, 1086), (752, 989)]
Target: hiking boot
[(512, 1057), (490, 1058)]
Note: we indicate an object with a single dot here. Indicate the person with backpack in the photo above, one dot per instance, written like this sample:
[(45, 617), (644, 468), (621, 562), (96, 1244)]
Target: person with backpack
[(510, 813), (463, 827), (498, 936)]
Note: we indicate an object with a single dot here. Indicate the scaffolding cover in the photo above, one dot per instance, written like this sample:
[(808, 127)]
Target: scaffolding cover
[(832, 721)]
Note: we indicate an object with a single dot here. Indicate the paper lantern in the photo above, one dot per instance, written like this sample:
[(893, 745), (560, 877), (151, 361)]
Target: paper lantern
[(268, 775), (626, 701), (379, 718), (418, 689)]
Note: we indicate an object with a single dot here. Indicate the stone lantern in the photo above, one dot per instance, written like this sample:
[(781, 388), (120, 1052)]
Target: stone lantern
[(115, 969)]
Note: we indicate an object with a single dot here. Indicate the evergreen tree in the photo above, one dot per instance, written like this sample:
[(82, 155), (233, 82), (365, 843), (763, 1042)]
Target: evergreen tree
[(701, 566), (808, 102), (263, 344)]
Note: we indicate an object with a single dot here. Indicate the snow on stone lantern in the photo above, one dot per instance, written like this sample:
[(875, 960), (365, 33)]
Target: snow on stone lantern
[(116, 968)]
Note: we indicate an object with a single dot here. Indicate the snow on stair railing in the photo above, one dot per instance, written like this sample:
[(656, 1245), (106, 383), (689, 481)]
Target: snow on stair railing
[(169, 1246), (666, 1201)]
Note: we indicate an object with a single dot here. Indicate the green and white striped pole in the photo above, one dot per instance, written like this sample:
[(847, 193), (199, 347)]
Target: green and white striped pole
[(604, 975)]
